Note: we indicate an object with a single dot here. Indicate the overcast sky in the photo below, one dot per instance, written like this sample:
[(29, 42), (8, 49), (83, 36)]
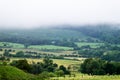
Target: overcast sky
[(31, 13)]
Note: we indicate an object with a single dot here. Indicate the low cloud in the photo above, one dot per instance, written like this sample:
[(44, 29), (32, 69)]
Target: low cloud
[(36, 13)]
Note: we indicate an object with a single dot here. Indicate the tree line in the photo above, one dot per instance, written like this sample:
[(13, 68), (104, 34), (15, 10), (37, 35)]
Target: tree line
[(37, 68), (95, 66)]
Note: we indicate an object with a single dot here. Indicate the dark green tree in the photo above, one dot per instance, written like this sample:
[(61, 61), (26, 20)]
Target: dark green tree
[(6, 53), (110, 68), (93, 66), (20, 54), (22, 64), (64, 69)]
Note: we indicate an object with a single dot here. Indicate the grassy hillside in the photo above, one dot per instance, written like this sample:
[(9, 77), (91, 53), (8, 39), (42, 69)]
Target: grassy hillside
[(28, 36), (90, 33), (12, 73)]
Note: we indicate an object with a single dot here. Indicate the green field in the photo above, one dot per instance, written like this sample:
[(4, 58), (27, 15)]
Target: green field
[(49, 47), (42, 47), (11, 45), (92, 45), (39, 47)]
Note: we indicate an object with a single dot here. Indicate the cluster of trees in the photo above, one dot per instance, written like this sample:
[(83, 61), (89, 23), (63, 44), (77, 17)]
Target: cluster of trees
[(26, 54), (29, 54), (111, 56), (95, 66), (102, 32), (32, 54), (37, 68), (91, 53), (3, 58), (107, 52)]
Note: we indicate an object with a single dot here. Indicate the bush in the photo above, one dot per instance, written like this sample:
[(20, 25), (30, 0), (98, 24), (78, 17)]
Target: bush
[(64, 69), (59, 73)]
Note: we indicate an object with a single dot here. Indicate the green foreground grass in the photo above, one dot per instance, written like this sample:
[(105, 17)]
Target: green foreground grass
[(13, 73), (80, 76)]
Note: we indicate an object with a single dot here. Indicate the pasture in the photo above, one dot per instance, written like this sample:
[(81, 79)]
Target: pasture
[(64, 62), (11, 45), (92, 45), (38, 47), (43, 47), (48, 47)]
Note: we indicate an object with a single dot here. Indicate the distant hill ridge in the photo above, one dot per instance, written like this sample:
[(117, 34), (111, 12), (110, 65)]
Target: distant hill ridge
[(106, 33)]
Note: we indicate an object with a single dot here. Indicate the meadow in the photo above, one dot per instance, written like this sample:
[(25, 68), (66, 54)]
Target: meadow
[(11, 45), (92, 45), (39, 47), (48, 47), (43, 47)]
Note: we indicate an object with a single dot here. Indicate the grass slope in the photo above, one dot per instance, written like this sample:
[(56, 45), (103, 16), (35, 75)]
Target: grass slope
[(40, 34), (12, 73)]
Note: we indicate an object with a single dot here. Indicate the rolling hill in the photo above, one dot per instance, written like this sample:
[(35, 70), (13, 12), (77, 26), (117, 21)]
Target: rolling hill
[(47, 36), (41, 36)]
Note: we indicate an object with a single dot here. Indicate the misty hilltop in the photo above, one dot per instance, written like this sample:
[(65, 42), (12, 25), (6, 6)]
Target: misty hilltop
[(66, 33)]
